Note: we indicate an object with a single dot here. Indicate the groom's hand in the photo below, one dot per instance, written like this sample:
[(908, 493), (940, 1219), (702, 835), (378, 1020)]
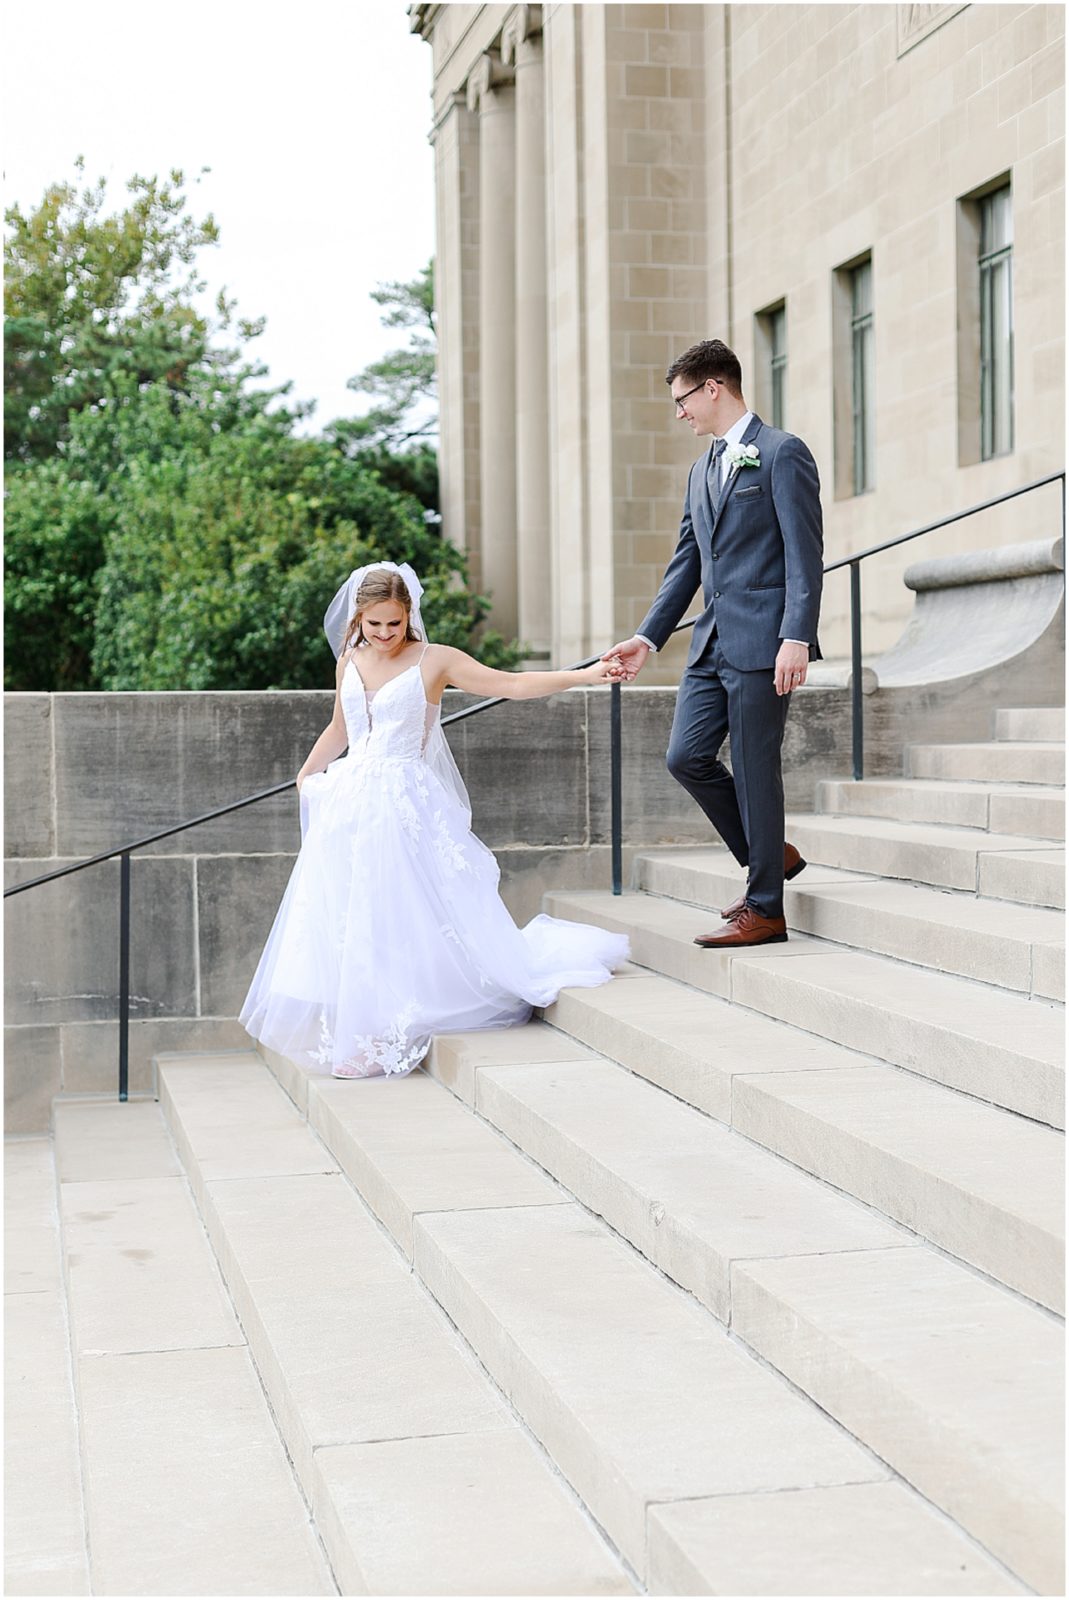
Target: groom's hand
[(631, 655), (792, 664)]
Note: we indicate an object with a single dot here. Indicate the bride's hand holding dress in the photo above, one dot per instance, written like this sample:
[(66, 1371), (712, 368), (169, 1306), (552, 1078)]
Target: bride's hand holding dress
[(334, 738)]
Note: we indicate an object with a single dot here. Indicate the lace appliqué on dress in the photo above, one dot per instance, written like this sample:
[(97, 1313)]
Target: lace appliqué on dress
[(396, 781), (449, 850), (394, 1051)]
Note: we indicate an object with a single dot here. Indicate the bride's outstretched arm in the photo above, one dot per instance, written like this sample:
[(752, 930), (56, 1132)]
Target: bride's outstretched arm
[(334, 738), (461, 671)]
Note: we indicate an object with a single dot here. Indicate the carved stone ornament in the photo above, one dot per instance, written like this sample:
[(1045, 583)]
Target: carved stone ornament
[(916, 22), (488, 73), (524, 22)]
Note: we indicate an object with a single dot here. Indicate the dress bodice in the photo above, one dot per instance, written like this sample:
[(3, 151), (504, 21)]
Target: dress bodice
[(392, 721)]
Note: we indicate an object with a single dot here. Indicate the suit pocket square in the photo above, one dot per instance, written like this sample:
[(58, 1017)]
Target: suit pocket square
[(743, 494)]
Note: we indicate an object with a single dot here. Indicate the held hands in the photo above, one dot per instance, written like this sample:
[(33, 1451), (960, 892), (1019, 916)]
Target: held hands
[(792, 664), (608, 670), (627, 660)]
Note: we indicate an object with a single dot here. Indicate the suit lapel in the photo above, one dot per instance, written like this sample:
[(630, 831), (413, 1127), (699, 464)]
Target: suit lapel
[(748, 438)]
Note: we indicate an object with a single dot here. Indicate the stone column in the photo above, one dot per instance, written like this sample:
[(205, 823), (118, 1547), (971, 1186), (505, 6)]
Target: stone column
[(456, 148), (521, 46), (490, 92), (566, 286)]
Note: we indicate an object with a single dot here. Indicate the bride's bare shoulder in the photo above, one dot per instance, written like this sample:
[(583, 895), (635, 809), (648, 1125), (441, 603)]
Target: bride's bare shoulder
[(438, 656), (442, 654)]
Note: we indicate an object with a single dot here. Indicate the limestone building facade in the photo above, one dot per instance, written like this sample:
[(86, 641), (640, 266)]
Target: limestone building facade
[(866, 201)]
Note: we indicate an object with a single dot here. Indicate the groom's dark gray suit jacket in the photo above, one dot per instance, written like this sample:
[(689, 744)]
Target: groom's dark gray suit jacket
[(758, 561)]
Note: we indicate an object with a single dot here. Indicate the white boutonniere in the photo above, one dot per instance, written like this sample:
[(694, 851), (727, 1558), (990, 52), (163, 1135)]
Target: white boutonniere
[(742, 455)]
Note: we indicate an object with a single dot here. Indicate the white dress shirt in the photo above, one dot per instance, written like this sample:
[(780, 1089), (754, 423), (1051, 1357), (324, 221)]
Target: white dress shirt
[(734, 435)]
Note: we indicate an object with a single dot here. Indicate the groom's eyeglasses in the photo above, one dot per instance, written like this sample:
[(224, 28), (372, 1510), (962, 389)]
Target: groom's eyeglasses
[(677, 400)]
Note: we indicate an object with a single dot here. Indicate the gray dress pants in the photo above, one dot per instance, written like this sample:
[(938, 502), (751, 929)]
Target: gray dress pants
[(745, 806)]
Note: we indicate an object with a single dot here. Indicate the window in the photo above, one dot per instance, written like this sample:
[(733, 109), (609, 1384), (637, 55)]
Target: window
[(985, 322), (778, 363), (771, 350), (996, 324), (853, 377), (861, 380)]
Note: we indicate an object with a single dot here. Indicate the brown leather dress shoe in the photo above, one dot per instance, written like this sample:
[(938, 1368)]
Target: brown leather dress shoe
[(793, 864), (746, 928)]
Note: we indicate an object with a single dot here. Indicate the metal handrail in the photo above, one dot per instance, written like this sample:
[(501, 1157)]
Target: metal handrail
[(955, 516), (234, 805), (124, 851), (857, 714)]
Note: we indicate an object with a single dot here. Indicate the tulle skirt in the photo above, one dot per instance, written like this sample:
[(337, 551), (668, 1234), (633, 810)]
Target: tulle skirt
[(391, 930)]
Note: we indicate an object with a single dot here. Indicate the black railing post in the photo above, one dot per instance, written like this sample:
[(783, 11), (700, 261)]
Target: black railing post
[(124, 974), (856, 704), (616, 774)]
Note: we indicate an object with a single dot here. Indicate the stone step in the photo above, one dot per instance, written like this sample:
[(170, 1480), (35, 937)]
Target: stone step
[(1002, 761), (693, 1196), (653, 1405), (421, 1480), (1030, 811), (640, 1398), (155, 1337), (979, 1182), (996, 1046), (1012, 946), (44, 1514), (693, 1045), (662, 934), (858, 1539), (1035, 876), (1032, 724), (436, 1157), (947, 858), (954, 1382)]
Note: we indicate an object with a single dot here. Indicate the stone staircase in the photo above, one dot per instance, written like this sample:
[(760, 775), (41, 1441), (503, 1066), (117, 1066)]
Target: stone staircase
[(742, 1274)]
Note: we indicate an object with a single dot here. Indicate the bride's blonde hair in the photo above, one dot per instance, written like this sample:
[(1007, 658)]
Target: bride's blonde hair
[(378, 586)]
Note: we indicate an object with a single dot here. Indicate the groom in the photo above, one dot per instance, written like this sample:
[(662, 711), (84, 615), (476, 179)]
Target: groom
[(751, 537)]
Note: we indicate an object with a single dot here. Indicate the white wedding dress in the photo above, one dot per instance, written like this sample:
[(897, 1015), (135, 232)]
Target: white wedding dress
[(391, 928)]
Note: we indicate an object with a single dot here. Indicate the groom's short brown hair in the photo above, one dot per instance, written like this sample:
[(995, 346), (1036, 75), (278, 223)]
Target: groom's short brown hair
[(711, 358)]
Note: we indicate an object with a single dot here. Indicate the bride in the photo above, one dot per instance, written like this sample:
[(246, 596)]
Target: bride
[(391, 928)]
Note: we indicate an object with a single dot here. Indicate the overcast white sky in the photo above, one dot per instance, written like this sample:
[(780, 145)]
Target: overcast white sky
[(313, 118)]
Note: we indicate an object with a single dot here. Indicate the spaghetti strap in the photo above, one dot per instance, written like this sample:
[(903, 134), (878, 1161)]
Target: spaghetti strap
[(423, 652)]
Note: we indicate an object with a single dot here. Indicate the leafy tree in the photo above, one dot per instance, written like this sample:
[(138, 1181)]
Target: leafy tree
[(92, 301), (192, 541), (405, 377), (167, 526), (56, 529), (398, 434), (228, 544)]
